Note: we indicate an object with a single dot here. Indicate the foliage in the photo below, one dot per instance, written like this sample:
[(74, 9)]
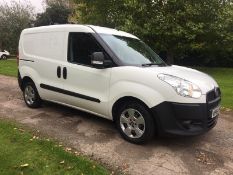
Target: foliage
[(22, 152), (180, 28), (14, 17), (56, 12)]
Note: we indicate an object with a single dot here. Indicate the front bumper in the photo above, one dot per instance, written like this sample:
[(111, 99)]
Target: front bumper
[(186, 119)]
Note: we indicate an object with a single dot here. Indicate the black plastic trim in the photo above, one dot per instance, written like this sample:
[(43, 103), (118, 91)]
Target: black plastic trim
[(74, 94), (65, 73), (26, 60), (20, 81), (59, 71), (184, 119)]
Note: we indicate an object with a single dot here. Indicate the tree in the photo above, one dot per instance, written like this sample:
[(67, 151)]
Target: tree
[(14, 17), (177, 27), (57, 12)]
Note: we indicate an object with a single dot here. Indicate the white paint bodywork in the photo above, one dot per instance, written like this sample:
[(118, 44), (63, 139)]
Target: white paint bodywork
[(47, 47), (4, 53)]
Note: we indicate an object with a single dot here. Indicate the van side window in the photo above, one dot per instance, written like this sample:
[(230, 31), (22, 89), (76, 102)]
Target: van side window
[(80, 48)]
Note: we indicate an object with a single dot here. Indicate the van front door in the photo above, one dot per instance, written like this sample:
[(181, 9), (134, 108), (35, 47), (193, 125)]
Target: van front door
[(87, 87)]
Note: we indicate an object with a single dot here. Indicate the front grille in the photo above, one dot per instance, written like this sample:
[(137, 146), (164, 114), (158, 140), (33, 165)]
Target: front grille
[(213, 94), (213, 99)]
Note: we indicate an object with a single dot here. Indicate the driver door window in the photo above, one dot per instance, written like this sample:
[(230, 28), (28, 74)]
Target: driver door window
[(81, 46)]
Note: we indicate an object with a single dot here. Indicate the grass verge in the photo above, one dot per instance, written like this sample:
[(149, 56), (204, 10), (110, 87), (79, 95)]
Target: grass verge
[(23, 153), (224, 78), (8, 67)]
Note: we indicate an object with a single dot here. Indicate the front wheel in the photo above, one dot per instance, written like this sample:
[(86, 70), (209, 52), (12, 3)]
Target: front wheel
[(135, 123), (31, 96)]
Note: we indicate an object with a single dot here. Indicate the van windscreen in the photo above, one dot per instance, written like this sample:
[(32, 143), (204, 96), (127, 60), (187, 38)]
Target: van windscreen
[(132, 51)]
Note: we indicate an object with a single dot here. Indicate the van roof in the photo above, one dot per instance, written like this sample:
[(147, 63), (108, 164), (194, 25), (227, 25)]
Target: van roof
[(78, 28)]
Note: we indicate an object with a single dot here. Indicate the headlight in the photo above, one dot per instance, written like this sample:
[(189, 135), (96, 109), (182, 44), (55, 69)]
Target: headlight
[(182, 87)]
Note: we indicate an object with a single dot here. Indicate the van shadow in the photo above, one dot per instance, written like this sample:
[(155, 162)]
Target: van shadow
[(90, 128), (65, 112), (109, 126)]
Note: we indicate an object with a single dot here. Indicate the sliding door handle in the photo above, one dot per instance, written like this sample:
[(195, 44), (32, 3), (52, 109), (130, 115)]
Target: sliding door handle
[(64, 73), (59, 72)]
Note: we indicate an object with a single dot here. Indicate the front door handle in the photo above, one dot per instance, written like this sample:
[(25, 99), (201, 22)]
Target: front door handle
[(64, 73), (59, 72)]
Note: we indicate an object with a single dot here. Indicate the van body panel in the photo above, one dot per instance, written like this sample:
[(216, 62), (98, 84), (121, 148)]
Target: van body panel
[(46, 45), (204, 81), (90, 82), (59, 28), (105, 30), (145, 86), (44, 52)]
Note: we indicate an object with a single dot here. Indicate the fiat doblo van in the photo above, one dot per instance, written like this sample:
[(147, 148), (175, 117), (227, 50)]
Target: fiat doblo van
[(115, 75)]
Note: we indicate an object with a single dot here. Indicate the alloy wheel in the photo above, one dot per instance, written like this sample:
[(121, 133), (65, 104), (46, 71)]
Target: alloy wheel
[(132, 123)]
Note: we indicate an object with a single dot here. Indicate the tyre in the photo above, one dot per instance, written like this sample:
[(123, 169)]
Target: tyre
[(31, 96), (3, 57), (135, 122)]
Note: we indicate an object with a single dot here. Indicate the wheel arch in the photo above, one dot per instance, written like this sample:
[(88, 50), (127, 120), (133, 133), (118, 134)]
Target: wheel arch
[(27, 73), (25, 80), (31, 101), (123, 100), (3, 55)]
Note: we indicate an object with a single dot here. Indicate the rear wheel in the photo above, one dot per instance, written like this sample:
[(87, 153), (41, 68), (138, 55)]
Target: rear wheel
[(31, 96), (135, 122), (3, 57)]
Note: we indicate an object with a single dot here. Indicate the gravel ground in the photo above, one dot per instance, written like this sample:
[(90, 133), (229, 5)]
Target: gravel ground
[(211, 153)]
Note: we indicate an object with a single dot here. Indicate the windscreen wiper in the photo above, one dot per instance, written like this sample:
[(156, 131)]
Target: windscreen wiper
[(152, 64)]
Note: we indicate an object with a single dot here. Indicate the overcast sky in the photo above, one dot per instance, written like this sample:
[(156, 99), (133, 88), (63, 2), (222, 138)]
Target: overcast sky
[(37, 4)]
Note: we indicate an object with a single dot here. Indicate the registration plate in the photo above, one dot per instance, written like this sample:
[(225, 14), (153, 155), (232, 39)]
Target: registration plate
[(215, 112)]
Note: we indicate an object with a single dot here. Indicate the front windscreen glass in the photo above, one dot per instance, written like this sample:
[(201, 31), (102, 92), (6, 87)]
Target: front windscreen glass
[(132, 51)]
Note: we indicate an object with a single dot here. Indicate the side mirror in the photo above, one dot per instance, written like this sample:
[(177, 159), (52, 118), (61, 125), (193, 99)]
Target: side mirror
[(98, 60)]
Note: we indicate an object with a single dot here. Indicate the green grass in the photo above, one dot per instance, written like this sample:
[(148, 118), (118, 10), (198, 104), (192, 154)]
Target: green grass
[(224, 78), (18, 148), (8, 67)]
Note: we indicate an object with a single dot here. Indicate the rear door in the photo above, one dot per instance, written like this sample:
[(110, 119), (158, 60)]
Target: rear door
[(46, 52), (88, 87)]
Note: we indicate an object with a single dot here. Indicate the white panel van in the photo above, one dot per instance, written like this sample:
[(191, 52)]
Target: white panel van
[(115, 75)]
